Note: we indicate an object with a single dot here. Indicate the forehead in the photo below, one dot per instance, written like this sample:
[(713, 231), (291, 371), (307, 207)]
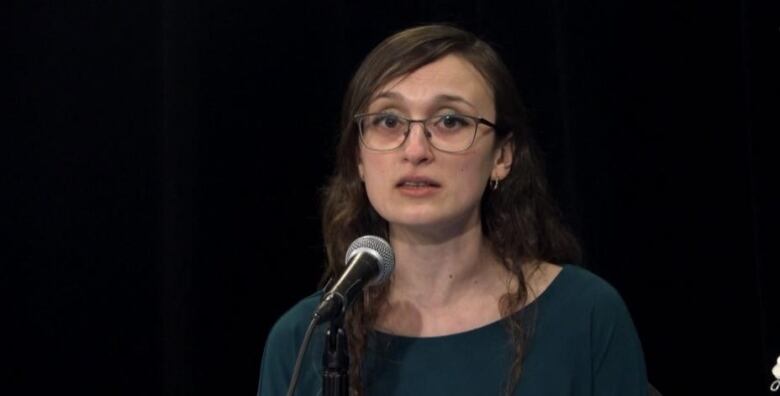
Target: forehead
[(448, 79)]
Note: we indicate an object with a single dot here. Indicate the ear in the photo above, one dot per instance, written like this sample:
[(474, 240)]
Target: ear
[(502, 159)]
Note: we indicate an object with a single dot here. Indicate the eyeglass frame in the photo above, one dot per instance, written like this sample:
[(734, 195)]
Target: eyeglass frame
[(477, 121)]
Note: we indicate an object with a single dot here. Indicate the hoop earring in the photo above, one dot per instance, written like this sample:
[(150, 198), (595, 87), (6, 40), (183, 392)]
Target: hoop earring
[(494, 184)]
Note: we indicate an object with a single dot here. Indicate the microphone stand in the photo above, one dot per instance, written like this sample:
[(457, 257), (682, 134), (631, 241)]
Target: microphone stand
[(335, 359)]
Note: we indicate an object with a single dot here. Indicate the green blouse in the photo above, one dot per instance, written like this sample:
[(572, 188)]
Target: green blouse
[(582, 342)]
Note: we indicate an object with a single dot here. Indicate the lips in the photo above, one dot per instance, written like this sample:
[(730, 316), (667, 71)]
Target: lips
[(417, 182)]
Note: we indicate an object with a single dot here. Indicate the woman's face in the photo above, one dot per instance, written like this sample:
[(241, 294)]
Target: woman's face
[(416, 185)]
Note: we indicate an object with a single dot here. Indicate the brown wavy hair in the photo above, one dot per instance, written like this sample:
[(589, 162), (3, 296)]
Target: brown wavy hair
[(519, 219)]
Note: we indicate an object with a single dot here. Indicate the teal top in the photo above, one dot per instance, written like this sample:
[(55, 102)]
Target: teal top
[(582, 342)]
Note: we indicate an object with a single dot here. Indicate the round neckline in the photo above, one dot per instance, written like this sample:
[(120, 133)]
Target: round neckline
[(550, 289)]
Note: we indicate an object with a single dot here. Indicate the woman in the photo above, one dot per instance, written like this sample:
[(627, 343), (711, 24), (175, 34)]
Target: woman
[(435, 157)]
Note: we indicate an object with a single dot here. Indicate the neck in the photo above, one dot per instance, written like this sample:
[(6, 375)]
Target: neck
[(435, 272)]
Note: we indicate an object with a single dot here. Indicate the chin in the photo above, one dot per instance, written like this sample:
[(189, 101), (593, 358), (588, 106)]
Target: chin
[(426, 221), (414, 220), (428, 216)]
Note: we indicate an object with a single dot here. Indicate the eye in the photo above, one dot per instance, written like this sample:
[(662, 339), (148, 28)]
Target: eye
[(453, 121), (388, 121)]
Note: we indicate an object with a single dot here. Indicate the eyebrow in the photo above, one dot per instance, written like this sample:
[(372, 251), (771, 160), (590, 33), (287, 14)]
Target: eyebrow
[(442, 98)]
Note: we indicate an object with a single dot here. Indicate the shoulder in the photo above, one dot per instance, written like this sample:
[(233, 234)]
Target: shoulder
[(579, 296), (288, 331), (611, 326), (594, 308), (291, 326), (282, 344), (588, 288)]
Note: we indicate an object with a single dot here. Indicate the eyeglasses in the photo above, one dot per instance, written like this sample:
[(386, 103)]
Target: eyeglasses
[(451, 132)]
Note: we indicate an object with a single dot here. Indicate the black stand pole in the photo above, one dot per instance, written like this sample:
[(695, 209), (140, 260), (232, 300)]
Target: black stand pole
[(335, 377)]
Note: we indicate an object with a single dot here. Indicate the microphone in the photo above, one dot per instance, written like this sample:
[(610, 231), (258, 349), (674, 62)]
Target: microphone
[(369, 261)]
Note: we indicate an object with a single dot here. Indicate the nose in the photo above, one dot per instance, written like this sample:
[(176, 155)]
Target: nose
[(417, 148)]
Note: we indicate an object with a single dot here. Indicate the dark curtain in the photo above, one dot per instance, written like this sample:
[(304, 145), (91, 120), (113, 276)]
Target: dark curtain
[(163, 161)]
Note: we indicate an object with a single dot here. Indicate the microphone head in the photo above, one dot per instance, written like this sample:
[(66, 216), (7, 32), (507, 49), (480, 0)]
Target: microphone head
[(379, 248)]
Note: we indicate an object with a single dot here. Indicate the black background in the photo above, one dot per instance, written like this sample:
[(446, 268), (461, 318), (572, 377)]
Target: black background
[(163, 161)]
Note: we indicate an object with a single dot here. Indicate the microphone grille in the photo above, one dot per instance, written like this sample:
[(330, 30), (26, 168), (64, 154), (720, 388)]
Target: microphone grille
[(382, 249)]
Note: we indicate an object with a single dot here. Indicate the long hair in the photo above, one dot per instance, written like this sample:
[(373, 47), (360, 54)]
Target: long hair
[(519, 218)]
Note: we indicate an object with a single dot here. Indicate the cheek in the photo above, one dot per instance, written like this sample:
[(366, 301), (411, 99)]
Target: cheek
[(376, 186), (367, 165), (372, 172), (475, 172)]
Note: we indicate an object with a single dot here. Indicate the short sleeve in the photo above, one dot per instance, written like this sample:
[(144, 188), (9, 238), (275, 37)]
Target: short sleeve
[(618, 360), (281, 349), (277, 363)]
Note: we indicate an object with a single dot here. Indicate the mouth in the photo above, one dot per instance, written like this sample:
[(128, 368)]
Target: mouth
[(417, 183)]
